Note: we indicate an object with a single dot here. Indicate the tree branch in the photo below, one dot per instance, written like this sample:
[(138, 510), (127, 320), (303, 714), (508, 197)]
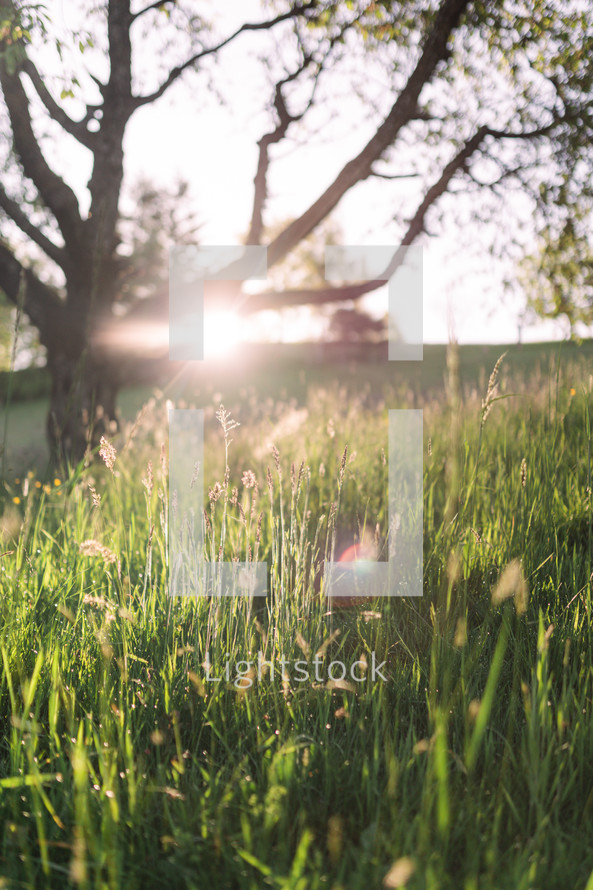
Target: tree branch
[(12, 209), (317, 297), (41, 303), (249, 304), (392, 176), (402, 112), (416, 225), (175, 73), (157, 5), (524, 134), (56, 112), (56, 195), (284, 121), (260, 181)]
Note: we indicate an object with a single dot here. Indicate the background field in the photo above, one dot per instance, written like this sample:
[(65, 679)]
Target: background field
[(290, 373), (471, 766)]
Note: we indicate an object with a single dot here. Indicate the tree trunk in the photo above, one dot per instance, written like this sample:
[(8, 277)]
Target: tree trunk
[(82, 405)]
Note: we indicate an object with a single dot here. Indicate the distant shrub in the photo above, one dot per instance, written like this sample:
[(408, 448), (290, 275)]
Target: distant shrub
[(26, 385)]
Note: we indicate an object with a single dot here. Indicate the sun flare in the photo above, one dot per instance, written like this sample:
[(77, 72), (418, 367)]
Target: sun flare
[(222, 333)]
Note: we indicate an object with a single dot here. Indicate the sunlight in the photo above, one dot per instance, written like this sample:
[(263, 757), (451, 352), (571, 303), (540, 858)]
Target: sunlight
[(146, 338), (222, 332)]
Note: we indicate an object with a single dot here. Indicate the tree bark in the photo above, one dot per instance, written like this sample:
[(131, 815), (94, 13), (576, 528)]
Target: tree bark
[(82, 404)]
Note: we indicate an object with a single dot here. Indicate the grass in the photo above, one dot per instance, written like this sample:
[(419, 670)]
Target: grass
[(470, 766), (300, 370)]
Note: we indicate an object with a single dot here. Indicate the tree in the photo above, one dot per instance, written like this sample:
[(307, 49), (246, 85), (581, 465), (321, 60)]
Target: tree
[(477, 98), (356, 326), (558, 277)]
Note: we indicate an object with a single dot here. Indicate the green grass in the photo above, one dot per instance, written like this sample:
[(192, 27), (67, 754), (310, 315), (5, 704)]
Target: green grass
[(470, 767), (298, 371)]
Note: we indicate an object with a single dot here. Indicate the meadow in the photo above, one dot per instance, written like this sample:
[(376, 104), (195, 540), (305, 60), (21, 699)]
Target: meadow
[(125, 764)]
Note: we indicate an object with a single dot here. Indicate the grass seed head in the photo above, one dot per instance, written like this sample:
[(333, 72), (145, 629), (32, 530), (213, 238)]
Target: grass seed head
[(512, 583), (215, 493), (91, 547), (195, 474), (248, 479), (400, 873), (343, 463), (148, 480), (226, 421), (492, 391), (108, 453), (276, 456), (258, 530)]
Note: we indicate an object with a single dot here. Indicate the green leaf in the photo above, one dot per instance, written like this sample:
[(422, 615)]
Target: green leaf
[(255, 862)]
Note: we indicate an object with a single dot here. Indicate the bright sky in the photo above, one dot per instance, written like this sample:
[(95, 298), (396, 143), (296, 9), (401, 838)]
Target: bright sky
[(186, 135)]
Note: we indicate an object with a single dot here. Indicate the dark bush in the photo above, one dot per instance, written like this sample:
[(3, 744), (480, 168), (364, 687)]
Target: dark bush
[(24, 385)]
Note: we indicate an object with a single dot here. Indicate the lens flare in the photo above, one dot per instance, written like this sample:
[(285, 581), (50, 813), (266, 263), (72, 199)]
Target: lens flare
[(222, 333)]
